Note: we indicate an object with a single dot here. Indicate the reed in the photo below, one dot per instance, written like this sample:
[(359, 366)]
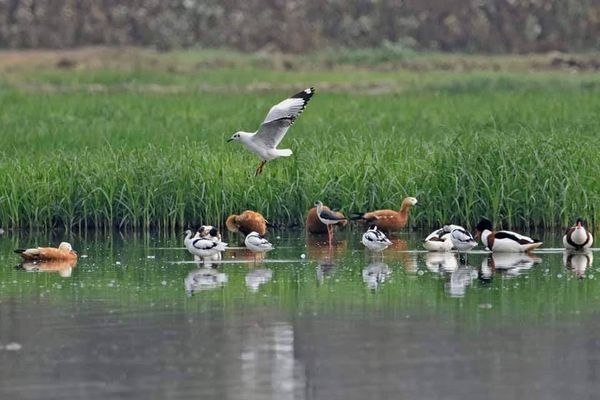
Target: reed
[(519, 148)]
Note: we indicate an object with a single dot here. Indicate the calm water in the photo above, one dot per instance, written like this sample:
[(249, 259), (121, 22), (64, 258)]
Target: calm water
[(137, 318)]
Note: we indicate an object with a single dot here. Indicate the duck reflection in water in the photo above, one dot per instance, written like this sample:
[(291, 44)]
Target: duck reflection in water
[(63, 267), (578, 261), (204, 279), (257, 277), (512, 264), (441, 262), (375, 274), (398, 251)]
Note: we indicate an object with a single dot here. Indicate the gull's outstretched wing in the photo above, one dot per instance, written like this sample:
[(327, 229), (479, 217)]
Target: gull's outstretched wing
[(280, 117)]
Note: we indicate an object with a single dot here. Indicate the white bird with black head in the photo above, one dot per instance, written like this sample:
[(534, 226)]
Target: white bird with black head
[(271, 132)]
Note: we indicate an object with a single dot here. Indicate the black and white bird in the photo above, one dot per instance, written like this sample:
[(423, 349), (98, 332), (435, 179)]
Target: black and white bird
[(504, 241), (375, 240), (265, 140), (438, 240), (329, 218), (578, 237), (461, 239), (212, 233), (257, 243), (203, 247)]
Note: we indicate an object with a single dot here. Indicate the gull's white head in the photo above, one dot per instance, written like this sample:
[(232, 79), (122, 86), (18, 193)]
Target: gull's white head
[(239, 135)]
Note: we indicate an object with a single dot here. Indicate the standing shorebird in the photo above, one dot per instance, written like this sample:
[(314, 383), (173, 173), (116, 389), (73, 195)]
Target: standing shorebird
[(375, 240), (203, 247), (329, 218), (461, 239), (257, 243), (265, 140)]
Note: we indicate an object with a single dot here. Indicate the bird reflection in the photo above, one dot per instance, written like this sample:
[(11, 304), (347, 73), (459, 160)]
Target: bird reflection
[(578, 261), (258, 277), (203, 279), (375, 274), (245, 255), (325, 255), (459, 280), (513, 264), (63, 267), (441, 262), (398, 251)]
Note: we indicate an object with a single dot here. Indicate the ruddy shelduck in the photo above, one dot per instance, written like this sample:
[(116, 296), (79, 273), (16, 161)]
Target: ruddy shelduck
[(247, 222), (389, 220), (63, 252)]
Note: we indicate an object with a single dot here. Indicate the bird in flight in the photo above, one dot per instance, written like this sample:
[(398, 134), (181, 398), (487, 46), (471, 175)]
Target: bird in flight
[(271, 132)]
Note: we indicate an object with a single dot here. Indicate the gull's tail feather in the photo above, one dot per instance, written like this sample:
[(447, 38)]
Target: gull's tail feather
[(282, 152)]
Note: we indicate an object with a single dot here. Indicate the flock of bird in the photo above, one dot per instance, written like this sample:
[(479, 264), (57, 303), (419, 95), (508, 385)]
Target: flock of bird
[(206, 242)]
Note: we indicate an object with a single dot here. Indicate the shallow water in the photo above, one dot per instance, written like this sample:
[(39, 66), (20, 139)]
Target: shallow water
[(137, 318)]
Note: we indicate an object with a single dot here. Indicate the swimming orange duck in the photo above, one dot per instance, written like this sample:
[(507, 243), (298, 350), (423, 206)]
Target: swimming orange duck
[(63, 252), (389, 220), (247, 222), (314, 224)]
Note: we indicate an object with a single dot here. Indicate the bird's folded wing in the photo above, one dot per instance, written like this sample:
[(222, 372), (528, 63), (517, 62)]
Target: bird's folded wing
[(203, 244)]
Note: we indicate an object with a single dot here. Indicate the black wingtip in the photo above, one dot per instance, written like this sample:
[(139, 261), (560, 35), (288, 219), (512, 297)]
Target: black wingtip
[(19, 251), (306, 94), (356, 216)]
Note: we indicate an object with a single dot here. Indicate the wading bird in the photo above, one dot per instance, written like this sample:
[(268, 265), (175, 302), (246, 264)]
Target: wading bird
[(375, 240), (247, 222), (329, 218), (63, 252), (504, 241), (438, 240), (389, 220), (265, 140), (314, 224), (203, 247), (257, 243), (578, 237)]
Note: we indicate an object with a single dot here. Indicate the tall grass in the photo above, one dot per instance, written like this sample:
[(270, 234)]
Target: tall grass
[(519, 149)]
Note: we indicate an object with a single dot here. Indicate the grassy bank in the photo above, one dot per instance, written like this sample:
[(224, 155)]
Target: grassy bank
[(143, 145)]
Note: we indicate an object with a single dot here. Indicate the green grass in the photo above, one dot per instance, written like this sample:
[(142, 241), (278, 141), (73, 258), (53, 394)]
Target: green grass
[(145, 148)]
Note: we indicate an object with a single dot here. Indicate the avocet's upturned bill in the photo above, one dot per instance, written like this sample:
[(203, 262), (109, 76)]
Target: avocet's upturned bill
[(265, 140), (375, 240)]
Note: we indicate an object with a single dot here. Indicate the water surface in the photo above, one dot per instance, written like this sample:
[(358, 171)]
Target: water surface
[(137, 318)]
